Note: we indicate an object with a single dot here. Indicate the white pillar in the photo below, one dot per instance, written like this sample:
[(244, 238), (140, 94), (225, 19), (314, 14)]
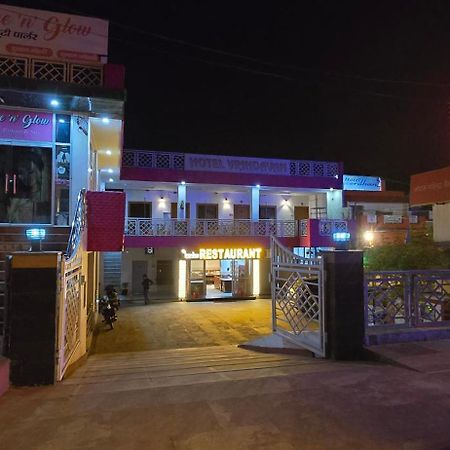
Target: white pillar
[(254, 204), (334, 204), (181, 201)]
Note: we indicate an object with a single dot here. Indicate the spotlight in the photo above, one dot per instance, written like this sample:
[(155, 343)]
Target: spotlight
[(111, 180), (54, 102), (108, 152), (105, 120)]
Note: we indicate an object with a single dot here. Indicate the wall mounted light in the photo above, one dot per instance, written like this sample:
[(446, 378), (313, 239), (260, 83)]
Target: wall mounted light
[(183, 182), (111, 180), (110, 171), (109, 152), (105, 120), (54, 102)]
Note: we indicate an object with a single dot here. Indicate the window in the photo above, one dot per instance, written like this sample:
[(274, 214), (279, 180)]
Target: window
[(267, 212), (241, 212), (140, 209), (62, 133), (207, 211)]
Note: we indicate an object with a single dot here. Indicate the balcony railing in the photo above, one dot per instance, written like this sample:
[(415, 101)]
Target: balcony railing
[(206, 227), (38, 69)]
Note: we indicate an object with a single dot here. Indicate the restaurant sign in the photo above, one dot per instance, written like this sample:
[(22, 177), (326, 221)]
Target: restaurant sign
[(223, 253), (235, 164), (55, 36), (361, 183), (26, 125)]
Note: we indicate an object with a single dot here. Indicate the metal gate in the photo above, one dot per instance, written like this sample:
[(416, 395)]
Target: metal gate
[(298, 298)]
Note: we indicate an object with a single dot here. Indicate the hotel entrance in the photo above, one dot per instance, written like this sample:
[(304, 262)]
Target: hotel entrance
[(219, 274)]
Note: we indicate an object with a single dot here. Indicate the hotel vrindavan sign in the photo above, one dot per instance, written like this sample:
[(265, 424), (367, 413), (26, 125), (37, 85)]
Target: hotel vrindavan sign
[(224, 253)]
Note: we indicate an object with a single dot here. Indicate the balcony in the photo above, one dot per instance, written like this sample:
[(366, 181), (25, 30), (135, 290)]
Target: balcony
[(221, 169), (91, 75), (320, 232), (206, 227), (143, 232)]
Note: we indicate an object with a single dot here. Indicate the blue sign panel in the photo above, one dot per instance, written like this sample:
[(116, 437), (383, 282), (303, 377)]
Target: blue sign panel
[(361, 183)]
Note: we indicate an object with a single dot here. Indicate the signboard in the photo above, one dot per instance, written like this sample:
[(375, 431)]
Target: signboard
[(371, 218), (26, 125), (224, 253), (361, 183), (430, 187), (49, 35), (393, 218), (236, 164), (413, 219)]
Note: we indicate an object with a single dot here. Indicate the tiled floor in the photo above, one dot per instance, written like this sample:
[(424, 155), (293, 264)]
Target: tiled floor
[(166, 325)]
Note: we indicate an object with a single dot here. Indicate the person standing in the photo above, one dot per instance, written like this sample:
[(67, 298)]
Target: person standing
[(146, 283)]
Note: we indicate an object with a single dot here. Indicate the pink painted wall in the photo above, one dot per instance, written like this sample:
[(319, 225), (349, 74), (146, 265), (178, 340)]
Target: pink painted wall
[(240, 179), (194, 242), (105, 221)]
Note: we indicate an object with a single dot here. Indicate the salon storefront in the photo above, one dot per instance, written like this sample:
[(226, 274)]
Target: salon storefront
[(35, 165)]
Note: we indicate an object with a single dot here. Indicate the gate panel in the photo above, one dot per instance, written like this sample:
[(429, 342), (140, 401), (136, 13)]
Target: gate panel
[(298, 298)]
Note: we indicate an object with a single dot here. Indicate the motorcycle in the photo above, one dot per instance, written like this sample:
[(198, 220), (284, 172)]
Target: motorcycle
[(113, 297), (108, 311)]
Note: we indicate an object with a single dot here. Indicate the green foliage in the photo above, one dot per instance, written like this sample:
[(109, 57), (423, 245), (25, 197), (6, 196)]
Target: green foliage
[(416, 255)]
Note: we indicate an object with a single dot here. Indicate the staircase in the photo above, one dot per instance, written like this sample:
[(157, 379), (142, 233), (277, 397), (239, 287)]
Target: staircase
[(186, 366), (112, 267), (13, 239)]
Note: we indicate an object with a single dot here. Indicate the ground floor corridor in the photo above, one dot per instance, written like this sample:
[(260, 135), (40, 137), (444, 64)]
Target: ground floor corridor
[(172, 325)]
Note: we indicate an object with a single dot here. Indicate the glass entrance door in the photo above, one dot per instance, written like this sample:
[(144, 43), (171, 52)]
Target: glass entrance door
[(25, 184), (241, 277)]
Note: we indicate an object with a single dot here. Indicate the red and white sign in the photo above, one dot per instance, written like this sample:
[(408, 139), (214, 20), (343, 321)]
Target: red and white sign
[(49, 35), (430, 187), (26, 125)]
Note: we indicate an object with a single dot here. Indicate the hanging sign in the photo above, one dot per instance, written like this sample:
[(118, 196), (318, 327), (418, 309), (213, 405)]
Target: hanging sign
[(26, 125)]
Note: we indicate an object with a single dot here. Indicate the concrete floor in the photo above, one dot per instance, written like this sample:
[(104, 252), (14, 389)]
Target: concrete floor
[(199, 392), (166, 325)]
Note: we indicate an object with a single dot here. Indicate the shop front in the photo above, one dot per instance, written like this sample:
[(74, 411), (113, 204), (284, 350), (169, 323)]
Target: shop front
[(219, 273), (34, 167)]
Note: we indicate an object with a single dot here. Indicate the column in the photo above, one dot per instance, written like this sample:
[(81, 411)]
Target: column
[(181, 201), (254, 204), (344, 309), (334, 204)]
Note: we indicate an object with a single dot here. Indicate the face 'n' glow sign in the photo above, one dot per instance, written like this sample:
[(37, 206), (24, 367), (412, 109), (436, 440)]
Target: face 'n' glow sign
[(224, 253)]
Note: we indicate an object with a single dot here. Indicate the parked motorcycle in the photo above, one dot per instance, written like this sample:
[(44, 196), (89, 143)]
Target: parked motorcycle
[(108, 311), (113, 297)]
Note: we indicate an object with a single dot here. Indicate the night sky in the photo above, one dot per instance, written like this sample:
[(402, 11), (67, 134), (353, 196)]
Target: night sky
[(364, 82)]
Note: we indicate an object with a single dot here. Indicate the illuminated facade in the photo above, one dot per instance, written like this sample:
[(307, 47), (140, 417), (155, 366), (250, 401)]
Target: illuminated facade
[(200, 225)]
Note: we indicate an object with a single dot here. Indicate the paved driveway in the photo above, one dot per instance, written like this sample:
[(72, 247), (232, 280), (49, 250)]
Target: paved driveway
[(181, 325)]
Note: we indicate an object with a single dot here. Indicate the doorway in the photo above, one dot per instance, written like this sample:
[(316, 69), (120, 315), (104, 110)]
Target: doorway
[(25, 184), (301, 212), (164, 272), (138, 269)]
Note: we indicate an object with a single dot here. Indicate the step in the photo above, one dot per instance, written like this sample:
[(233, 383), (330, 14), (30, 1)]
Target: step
[(187, 366)]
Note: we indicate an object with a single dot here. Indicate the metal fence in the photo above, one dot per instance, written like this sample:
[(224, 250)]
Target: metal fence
[(407, 298), (298, 298), (69, 317)]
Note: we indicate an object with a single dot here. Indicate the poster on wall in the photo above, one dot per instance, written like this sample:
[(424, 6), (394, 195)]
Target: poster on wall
[(63, 165), (52, 36)]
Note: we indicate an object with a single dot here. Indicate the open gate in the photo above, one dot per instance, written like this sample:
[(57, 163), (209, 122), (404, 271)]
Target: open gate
[(298, 298)]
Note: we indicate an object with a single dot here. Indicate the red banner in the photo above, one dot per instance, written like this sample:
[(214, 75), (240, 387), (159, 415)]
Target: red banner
[(430, 187), (105, 221)]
